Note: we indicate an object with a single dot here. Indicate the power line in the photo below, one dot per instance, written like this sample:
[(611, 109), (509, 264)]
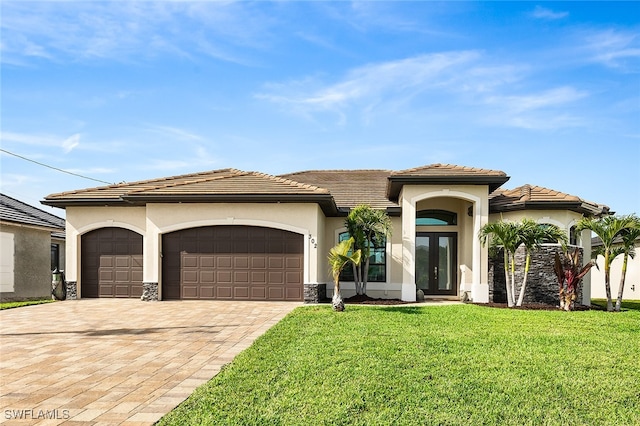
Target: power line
[(54, 168)]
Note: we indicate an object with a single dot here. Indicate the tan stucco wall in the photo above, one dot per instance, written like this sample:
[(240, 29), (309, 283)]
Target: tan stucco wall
[(156, 219), (632, 280), (31, 263), (389, 289), (471, 253)]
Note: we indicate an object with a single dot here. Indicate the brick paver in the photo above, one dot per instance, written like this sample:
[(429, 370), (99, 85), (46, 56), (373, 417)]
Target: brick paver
[(118, 361)]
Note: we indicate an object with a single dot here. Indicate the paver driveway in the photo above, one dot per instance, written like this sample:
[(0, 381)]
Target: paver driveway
[(118, 361)]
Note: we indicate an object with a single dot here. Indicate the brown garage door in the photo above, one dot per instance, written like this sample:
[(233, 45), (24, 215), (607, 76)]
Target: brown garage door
[(111, 263), (233, 263)]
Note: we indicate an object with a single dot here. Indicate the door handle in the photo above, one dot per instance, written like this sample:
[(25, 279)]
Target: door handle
[(435, 272)]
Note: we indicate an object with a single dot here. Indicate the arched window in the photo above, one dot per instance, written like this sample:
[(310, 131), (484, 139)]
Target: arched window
[(436, 218), (377, 262)]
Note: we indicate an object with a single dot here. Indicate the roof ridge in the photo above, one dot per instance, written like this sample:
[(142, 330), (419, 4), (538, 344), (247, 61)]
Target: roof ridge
[(335, 171)]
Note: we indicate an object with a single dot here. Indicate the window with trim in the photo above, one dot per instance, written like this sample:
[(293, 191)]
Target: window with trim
[(377, 262), (436, 218), (574, 236)]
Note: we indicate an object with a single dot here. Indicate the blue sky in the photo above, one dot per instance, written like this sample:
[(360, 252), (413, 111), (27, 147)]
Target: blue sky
[(122, 91)]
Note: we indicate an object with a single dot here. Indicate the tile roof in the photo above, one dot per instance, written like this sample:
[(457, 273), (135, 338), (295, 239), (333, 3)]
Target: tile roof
[(537, 197), (350, 187), (448, 170), (444, 174), (15, 211), (334, 190)]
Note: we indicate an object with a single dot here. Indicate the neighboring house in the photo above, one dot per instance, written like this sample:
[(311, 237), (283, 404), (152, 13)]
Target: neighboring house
[(32, 245), (230, 234), (632, 280)]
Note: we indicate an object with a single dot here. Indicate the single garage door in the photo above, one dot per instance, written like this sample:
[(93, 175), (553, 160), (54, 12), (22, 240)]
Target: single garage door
[(232, 263), (111, 263)]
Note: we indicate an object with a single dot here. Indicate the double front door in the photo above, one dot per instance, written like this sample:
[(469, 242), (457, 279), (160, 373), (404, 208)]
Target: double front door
[(437, 263)]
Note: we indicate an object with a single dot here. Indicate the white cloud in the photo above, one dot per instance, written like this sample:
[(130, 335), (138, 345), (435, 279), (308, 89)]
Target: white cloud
[(367, 85), (543, 13), (70, 143), (175, 133), (549, 98), (614, 48)]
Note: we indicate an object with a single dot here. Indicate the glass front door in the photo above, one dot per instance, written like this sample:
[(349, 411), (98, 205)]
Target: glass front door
[(437, 263)]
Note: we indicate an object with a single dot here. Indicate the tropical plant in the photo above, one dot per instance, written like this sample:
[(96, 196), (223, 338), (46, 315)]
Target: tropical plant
[(570, 274), (504, 234), (627, 248), (532, 235), (608, 229), (339, 257), (368, 227), (511, 235)]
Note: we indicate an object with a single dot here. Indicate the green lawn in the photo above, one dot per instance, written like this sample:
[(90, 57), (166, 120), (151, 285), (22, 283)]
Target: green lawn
[(10, 305), (450, 365)]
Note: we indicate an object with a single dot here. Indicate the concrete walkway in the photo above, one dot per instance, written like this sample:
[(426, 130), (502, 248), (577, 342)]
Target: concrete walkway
[(118, 361)]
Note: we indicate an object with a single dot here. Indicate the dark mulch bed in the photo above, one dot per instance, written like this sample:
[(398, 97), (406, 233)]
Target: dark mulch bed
[(367, 300)]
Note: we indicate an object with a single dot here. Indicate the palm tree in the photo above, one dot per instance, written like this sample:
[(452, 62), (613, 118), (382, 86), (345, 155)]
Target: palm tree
[(339, 257), (629, 237), (532, 235), (504, 234), (368, 227), (608, 229)]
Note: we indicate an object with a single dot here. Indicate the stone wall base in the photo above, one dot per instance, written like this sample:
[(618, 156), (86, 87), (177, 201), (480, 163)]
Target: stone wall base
[(542, 284), (315, 293), (149, 292), (72, 290)]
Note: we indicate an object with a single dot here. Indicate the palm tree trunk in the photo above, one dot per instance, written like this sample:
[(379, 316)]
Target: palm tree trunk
[(622, 279), (336, 301), (513, 279), (524, 280), (506, 278), (607, 281), (365, 276), (356, 279)]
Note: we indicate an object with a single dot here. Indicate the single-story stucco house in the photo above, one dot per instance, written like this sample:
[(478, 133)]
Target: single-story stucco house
[(32, 245), (632, 278), (237, 235)]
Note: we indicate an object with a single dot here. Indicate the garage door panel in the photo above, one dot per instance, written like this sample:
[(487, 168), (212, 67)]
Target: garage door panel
[(224, 277), (232, 262), (241, 292)]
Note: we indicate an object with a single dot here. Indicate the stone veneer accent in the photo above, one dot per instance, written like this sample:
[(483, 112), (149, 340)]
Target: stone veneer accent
[(542, 284), (149, 292), (72, 290), (315, 293)]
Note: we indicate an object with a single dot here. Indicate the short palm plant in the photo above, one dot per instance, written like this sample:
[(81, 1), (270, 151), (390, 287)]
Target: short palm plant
[(339, 258)]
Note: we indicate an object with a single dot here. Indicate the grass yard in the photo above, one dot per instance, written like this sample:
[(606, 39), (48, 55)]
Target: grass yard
[(450, 365), (10, 305), (626, 304)]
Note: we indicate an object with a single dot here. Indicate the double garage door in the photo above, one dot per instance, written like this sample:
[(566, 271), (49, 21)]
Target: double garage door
[(232, 263), (217, 262)]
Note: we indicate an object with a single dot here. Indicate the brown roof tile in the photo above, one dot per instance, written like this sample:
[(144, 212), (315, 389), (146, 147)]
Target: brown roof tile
[(448, 170), (537, 197), (350, 187)]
